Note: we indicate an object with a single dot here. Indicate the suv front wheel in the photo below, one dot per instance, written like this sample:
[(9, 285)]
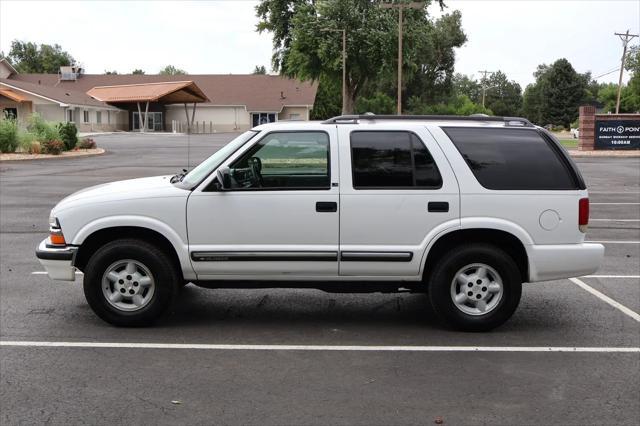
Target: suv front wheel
[(475, 287), (130, 282)]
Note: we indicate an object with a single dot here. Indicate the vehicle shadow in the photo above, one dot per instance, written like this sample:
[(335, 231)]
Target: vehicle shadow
[(287, 306)]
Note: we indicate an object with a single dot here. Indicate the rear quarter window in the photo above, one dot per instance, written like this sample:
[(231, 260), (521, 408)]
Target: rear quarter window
[(513, 159)]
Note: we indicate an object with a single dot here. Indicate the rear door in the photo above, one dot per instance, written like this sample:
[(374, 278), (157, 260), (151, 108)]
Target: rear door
[(397, 191)]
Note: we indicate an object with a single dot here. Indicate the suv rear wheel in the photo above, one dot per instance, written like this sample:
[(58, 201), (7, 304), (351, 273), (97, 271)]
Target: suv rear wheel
[(475, 287), (130, 282)]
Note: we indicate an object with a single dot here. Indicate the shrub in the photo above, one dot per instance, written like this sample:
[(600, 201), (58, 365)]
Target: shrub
[(43, 130), (35, 148), (8, 135), (54, 146), (68, 134), (25, 140), (87, 143)]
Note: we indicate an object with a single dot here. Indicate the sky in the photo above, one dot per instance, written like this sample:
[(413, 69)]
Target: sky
[(219, 37)]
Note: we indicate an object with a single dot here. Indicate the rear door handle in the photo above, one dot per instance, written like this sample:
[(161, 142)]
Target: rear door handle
[(438, 206), (326, 206)]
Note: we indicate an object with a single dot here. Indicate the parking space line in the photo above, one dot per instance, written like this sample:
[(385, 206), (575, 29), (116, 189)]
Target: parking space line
[(613, 242), (606, 299), (614, 204), (45, 273), (613, 220), (610, 276), (338, 348)]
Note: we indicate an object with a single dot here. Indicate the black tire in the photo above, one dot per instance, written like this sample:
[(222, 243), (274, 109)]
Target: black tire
[(165, 275), (442, 276)]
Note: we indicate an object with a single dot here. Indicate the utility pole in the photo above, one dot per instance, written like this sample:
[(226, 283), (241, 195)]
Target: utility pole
[(484, 83), (401, 7), (344, 67), (626, 38)]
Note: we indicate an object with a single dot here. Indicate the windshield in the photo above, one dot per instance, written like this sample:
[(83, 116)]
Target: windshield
[(202, 170)]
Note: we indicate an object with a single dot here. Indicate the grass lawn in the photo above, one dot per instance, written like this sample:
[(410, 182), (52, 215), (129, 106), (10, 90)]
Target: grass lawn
[(569, 143)]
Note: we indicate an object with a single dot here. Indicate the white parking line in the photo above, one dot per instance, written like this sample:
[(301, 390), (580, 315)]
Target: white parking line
[(614, 204), (613, 220), (339, 348), (606, 299), (610, 276), (614, 242), (45, 273)]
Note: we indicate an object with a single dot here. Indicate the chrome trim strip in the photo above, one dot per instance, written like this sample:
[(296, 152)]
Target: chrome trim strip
[(257, 256), (376, 256)]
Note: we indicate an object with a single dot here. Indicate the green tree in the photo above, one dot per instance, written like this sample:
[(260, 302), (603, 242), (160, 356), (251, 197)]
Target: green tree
[(465, 85), (379, 103), (304, 49), (502, 96), (114, 72), (27, 57), (630, 97), (260, 69), (328, 102), (171, 70), (556, 95), (137, 71)]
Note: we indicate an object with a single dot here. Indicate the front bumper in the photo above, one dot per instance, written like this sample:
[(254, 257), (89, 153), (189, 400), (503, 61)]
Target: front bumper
[(552, 262), (58, 262)]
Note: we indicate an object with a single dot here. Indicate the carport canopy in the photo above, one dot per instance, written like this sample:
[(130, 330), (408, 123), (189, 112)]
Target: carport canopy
[(170, 92)]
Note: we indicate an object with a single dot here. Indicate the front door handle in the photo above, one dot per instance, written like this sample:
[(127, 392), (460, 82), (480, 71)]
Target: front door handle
[(326, 206), (438, 206)]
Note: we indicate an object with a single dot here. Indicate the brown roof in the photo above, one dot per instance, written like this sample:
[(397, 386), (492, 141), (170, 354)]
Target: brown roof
[(63, 95), (13, 95), (170, 92), (257, 92)]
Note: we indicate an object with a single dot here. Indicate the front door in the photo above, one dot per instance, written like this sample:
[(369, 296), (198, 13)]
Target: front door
[(396, 191), (280, 218)]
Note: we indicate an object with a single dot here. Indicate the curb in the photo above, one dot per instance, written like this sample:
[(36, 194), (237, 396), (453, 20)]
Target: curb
[(605, 154), (77, 154)]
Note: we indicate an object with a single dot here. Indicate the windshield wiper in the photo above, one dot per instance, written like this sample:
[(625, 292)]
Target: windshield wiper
[(178, 177)]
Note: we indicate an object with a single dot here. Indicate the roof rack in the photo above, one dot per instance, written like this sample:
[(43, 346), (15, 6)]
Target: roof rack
[(354, 119)]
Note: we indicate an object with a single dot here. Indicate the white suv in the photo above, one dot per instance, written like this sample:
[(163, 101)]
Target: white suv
[(465, 209)]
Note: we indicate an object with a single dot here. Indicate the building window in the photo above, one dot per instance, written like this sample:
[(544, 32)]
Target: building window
[(295, 116), (98, 117), (85, 116), (258, 118), (11, 113), (70, 115), (108, 117)]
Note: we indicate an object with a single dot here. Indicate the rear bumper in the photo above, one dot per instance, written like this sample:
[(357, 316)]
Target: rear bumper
[(551, 262), (58, 262)]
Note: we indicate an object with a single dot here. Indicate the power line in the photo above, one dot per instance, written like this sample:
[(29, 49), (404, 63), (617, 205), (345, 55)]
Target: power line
[(606, 73)]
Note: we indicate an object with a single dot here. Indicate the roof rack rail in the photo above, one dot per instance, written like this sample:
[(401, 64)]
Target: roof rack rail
[(354, 119)]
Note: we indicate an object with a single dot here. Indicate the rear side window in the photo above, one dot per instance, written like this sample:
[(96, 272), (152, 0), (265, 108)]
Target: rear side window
[(512, 159), (390, 159)]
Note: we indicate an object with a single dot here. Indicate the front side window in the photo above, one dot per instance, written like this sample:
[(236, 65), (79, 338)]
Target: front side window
[(392, 160), (70, 115), (511, 159), (85, 116), (284, 160), (99, 117)]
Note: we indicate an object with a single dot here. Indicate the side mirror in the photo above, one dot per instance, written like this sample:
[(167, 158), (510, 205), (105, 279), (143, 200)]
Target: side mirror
[(223, 176)]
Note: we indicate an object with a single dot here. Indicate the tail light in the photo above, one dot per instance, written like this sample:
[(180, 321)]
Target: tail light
[(583, 214)]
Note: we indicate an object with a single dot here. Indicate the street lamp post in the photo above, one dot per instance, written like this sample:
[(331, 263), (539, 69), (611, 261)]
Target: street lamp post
[(344, 66)]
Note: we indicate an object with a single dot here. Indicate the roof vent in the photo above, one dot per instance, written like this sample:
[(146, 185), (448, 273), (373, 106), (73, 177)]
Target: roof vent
[(282, 96)]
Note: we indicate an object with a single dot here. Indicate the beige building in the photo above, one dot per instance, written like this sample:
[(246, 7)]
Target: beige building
[(231, 102)]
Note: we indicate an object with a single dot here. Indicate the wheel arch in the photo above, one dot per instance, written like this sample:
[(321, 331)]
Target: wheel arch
[(102, 236), (497, 237)]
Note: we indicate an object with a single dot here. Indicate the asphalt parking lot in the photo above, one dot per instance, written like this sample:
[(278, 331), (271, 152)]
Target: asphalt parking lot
[(350, 364)]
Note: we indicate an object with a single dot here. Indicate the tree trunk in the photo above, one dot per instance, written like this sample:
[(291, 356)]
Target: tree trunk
[(349, 105)]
